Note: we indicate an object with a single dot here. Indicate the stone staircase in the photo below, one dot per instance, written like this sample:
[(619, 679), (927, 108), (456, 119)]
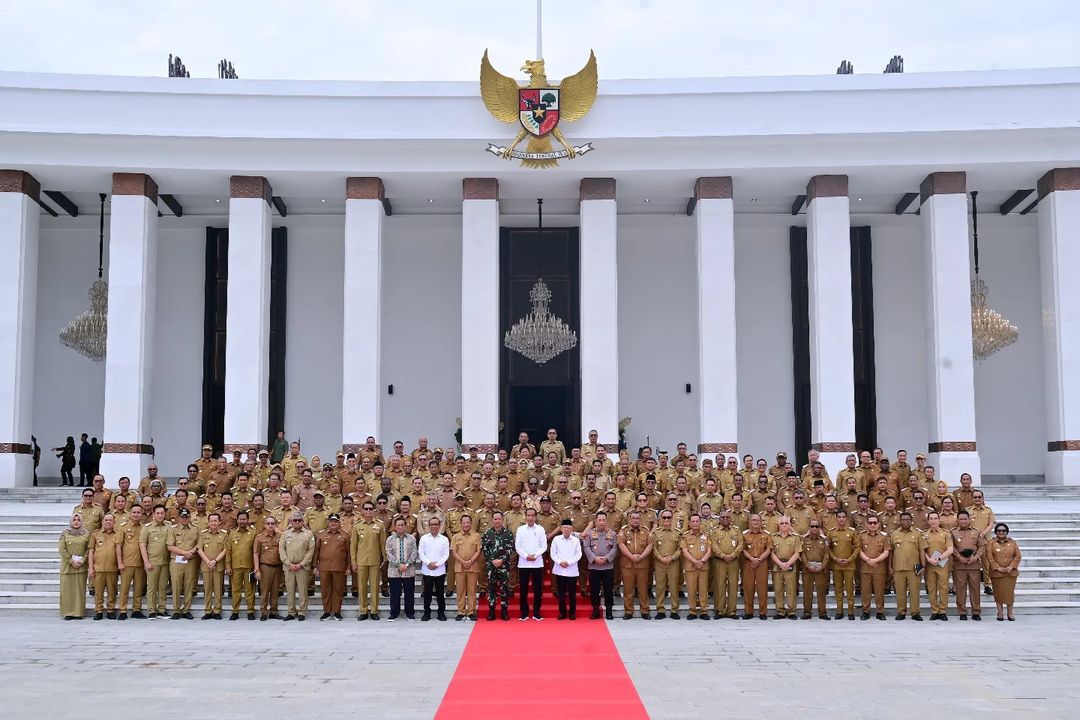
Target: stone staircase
[(1049, 576)]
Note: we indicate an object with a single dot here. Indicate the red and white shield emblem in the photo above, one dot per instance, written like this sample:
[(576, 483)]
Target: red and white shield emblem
[(538, 110)]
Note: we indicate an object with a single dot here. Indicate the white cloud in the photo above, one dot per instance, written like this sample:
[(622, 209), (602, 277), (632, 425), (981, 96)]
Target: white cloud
[(428, 40)]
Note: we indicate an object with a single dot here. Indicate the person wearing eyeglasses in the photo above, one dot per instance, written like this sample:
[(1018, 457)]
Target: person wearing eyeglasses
[(665, 540), (267, 558), (297, 548), (874, 553), (814, 560)]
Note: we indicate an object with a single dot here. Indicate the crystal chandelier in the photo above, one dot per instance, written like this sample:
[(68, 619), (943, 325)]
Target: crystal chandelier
[(990, 331), (86, 333), (540, 336)]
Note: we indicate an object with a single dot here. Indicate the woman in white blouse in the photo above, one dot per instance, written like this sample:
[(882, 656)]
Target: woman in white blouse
[(565, 554)]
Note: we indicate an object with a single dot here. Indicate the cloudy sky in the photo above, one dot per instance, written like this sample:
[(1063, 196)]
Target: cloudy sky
[(428, 40)]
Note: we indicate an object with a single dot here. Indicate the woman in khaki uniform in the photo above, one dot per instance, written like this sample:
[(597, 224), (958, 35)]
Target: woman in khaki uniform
[(73, 546), (1003, 555)]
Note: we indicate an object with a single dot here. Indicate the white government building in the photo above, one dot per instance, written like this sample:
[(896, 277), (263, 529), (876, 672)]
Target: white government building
[(750, 264)]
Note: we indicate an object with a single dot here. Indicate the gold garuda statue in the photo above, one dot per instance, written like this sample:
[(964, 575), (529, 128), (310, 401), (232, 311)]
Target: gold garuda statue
[(538, 107)]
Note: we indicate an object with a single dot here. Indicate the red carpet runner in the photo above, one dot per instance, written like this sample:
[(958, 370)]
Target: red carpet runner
[(554, 668)]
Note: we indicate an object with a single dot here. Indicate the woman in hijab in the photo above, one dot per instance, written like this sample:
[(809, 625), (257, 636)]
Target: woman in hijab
[(73, 546), (1003, 555)]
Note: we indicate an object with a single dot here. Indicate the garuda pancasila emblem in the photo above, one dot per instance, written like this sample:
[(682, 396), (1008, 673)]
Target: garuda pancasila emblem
[(538, 107)]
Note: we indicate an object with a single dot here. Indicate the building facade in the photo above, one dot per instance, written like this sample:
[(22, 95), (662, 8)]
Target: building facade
[(750, 264)]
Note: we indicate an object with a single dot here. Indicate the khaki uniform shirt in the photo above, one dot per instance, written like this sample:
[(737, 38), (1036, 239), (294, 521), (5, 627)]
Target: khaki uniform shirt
[(666, 542), (907, 549), (844, 544), (873, 545), (316, 519), (698, 546), (156, 539), (368, 543), (787, 546), (104, 545), (239, 555), (213, 543), (815, 550), (185, 538), (332, 551), (129, 544), (728, 541), (636, 541), (266, 544), (297, 547), (757, 543), (466, 545)]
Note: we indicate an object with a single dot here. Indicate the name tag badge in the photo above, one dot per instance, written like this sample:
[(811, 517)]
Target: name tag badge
[(734, 542)]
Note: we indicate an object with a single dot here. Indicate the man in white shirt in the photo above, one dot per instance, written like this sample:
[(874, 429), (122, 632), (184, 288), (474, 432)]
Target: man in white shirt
[(433, 552), (530, 543), (565, 554)]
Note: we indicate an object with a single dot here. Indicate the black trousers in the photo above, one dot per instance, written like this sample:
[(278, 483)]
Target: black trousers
[(85, 473), (397, 586), (536, 577), (566, 591), (434, 584), (602, 579)]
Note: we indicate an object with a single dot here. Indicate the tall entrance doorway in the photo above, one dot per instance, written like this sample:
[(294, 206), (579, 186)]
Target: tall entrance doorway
[(536, 397)]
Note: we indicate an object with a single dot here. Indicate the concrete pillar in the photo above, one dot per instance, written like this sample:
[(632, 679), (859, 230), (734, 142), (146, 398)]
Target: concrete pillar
[(19, 193), (1059, 255), (714, 214), (129, 346), (950, 365), (480, 312), (832, 373), (247, 323), (599, 336), (362, 341)]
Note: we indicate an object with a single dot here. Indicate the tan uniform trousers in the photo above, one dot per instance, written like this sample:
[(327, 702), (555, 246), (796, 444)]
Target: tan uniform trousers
[(268, 587), (104, 585), (873, 586), (296, 584), (785, 592), (157, 588), (369, 589), (697, 589), (466, 592), (725, 587), (814, 585), (966, 580), (132, 579), (844, 582), (937, 589), (667, 585), (183, 579), (636, 581), (242, 588), (213, 586), (907, 591), (755, 581)]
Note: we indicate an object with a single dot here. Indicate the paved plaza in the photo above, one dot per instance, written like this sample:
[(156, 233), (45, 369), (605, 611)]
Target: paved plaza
[(1026, 669)]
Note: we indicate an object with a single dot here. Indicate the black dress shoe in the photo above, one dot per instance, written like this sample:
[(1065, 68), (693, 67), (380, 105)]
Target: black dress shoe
[(807, 616), (674, 616), (207, 616), (866, 616), (176, 616), (301, 618), (609, 615), (251, 616), (851, 616), (364, 616), (595, 614), (625, 616), (976, 616), (373, 616), (153, 616), (704, 616), (98, 616), (661, 615), (289, 617), (110, 615), (324, 616), (442, 616), (491, 615), (747, 616), (262, 618), (122, 616), (137, 615), (561, 616), (187, 616), (573, 616), (337, 616), (691, 616), (234, 616), (646, 616), (963, 616), (944, 617), (763, 616), (839, 616), (824, 616), (473, 617), (425, 617), (274, 616), (880, 616), (777, 616), (917, 617)]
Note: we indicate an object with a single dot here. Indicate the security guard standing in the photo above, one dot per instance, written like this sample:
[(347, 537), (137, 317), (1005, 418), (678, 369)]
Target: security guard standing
[(183, 541)]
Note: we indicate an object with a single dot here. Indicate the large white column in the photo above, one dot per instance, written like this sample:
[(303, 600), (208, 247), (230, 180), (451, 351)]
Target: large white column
[(362, 340), (129, 347), (1059, 256), (950, 367), (247, 323), (832, 370), (18, 295), (599, 336), (714, 213), (480, 312)]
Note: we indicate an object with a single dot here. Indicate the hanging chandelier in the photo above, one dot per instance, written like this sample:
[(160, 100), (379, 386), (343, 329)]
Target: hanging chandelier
[(86, 333), (540, 336), (990, 331)]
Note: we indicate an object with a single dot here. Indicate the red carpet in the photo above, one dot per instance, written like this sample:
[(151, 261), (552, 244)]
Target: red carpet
[(554, 668)]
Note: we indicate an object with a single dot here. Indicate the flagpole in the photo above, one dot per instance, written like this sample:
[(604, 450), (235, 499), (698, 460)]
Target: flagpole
[(539, 29)]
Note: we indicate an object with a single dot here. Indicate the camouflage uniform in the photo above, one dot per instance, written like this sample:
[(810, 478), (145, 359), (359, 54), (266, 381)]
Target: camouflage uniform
[(497, 545)]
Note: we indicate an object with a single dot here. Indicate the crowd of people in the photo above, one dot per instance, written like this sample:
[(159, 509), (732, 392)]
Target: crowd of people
[(660, 528)]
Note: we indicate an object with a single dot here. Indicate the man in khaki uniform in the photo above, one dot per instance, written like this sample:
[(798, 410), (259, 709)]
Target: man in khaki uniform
[(465, 551), (367, 552), (332, 562), (206, 464), (696, 550), (212, 544), (786, 547), (90, 512), (874, 553), (969, 546), (757, 547), (814, 560), (844, 558), (907, 546), (154, 549), (132, 572), (727, 547), (103, 564), (553, 445), (635, 546), (297, 547), (183, 543), (939, 548), (666, 550), (268, 568), (240, 563)]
